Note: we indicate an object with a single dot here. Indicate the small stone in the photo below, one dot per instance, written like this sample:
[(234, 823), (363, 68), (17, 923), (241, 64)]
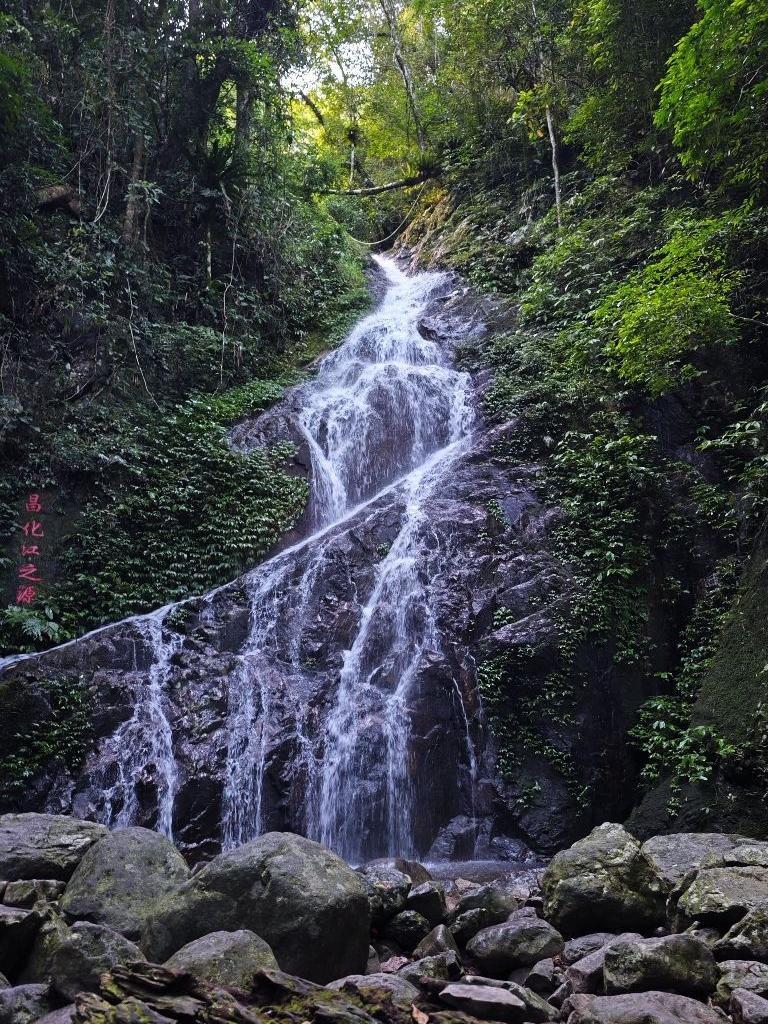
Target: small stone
[(394, 964), (374, 964), (443, 966), (374, 985), (468, 924), (439, 940), (485, 1002), (497, 898), (516, 943), (428, 899), (543, 978), (27, 892), (407, 928), (747, 1007)]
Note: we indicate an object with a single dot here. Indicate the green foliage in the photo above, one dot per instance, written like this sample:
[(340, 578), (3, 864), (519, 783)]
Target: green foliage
[(62, 735), (678, 303), (714, 96)]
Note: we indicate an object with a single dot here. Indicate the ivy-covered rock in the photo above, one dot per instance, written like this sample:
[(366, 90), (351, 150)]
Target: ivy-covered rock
[(122, 878)]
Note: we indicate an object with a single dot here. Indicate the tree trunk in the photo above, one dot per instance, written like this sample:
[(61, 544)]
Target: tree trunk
[(405, 72), (374, 190), (132, 206), (555, 165)]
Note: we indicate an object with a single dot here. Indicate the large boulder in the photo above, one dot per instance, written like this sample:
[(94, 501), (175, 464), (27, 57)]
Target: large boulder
[(44, 845), (121, 878), (671, 857), (85, 954), (298, 896), (24, 1004), (576, 949), (469, 924), (443, 966), (638, 1008), (38, 966), (602, 882), (231, 959), (747, 939), (723, 889), (674, 963), (519, 942), (586, 975), (537, 1010)]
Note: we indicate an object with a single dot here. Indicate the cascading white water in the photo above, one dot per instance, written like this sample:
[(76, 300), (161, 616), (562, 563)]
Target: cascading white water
[(385, 419), (384, 407)]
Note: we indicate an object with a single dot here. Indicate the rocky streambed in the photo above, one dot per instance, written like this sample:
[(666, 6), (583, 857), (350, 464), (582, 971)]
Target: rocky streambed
[(100, 926)]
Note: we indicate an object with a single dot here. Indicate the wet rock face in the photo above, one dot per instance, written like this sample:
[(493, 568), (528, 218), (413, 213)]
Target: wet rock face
[(332, 691)]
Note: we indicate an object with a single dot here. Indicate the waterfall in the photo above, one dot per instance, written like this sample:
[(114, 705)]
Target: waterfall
[(385, 408), (348, 632)]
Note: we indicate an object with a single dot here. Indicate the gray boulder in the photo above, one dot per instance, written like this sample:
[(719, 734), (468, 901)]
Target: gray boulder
[(52, 932), (407, 929), (373, 986), (231, 959), (443, 966), (439, 940), (17, 933), (747, 1007), (747, 939), (428, 899), (25, 893), (671, 857), (543, 978), (519, 942), (469, 924), (497, 898), (387, 890), (485, 1002), (415, 871), (577, 949), (638, 1008), (537, 1010), (723, 889), (601, 882), (85, 954), (44, 845), (121, 878), (63, 1016), (24, 1004), (671, 963), (586, 975), (747, 974), (303, 900)]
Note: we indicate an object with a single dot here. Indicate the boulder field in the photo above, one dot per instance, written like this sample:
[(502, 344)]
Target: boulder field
[(114, 928)]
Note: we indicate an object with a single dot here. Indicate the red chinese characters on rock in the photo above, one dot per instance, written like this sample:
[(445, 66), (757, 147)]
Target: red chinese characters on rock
[(29, 573)]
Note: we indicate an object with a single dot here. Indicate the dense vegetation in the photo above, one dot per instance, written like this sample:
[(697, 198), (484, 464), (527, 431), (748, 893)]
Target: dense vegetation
[(180, 186)]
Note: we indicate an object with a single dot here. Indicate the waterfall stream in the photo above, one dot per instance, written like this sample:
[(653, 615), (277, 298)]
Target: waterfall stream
[(346, 642)]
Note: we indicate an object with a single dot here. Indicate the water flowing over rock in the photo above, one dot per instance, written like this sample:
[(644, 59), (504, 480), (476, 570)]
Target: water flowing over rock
[(332, 691)]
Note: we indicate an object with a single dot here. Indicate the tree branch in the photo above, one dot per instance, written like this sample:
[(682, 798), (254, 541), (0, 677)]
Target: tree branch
[(417, 179)]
